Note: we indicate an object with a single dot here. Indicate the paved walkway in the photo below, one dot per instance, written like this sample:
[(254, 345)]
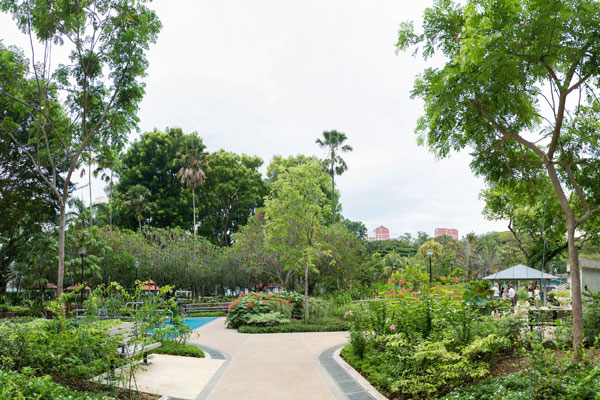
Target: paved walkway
[(272, 366)]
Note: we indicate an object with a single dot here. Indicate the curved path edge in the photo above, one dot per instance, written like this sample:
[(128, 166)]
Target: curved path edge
[(350, 382), (217, 355)]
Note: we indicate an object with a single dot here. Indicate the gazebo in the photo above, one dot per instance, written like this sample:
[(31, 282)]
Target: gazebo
[(520, 273)]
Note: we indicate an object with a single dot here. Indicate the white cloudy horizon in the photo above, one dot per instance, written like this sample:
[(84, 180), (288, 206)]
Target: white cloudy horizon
[(268, 77)]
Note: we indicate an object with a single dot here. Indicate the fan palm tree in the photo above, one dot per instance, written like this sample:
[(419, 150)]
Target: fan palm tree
[(138, 197), (192, 176), (333, 141)]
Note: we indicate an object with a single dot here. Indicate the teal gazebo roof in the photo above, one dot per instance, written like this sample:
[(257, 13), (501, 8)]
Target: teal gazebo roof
[(520, 272)]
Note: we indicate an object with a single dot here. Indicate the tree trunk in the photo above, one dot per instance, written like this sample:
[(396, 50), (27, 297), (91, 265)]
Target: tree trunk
[(194, 207), (575, 289), (306, 292), (61, 250)]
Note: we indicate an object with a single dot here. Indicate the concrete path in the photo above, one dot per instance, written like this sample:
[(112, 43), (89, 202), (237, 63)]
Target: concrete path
[(270, 366)]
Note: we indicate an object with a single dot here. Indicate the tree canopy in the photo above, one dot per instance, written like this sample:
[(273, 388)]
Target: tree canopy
[(518, 87)]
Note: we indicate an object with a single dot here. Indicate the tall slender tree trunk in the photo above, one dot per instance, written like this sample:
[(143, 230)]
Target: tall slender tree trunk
[(90, 187), (194, 207), (332, 196), (306, 292), (61, 249), (575, 288)]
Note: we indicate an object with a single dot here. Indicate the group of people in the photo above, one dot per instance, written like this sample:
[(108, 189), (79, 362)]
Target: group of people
[(505, 294), (533, 293)]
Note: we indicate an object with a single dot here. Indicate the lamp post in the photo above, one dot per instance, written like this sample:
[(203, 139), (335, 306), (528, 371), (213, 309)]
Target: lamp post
[(430, 253), (137, 264), (82, 252), (451, 266)]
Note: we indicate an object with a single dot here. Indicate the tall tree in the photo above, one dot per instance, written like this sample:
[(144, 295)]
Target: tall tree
[(333, 141), (192, 176), (294, 213), (233, 190), (79, 105), (153, 161), (519, 87)]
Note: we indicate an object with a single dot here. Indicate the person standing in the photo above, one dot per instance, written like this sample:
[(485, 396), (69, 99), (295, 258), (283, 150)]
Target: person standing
[(511, 295), (496, 291)]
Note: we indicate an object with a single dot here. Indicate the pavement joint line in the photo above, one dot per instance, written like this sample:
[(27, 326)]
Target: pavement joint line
[(325, 358), (215, 355)]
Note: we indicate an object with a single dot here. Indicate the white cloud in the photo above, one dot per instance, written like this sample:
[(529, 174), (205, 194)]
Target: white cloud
[(267, 77)]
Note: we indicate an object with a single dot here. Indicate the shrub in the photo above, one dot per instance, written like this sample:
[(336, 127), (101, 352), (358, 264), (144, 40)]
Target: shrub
[(269, 319), (289, 304), (321, 325), (179, 349), (15, 386)]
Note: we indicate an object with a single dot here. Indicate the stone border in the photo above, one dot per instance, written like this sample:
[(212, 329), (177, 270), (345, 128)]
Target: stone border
[(215, 355), (350, 382)]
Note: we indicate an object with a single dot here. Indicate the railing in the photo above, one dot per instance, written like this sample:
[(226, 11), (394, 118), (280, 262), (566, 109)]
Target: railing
[(190, 308)]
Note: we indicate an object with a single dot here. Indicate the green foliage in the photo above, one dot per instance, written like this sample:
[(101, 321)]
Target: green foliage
[(548, 378), (326, 324), (24, 386), (591, 318), (268, 319), (245, 306), (179, 349), (420, 344)]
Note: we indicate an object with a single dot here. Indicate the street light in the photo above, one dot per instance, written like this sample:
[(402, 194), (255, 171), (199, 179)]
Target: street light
[(451, 266), (430, 253), (137, 264), (82, 252)]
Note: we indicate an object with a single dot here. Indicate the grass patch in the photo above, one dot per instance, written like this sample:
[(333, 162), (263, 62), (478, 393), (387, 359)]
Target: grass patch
[(178, 349), (316, 325)]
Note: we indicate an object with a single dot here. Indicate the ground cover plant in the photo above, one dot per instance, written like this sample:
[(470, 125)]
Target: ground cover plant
[(420, 341), (179, 349), (22, 386)]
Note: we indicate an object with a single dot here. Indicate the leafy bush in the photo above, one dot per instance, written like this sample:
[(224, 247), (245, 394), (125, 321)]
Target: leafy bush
[(179, 349), (269, 319), (15, 386), (591, 318), (289, 304), (421, 344), (319, 325)]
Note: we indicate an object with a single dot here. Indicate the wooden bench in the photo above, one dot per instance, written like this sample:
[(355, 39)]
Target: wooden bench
[(205, 307), (127, 347), (546, 317)]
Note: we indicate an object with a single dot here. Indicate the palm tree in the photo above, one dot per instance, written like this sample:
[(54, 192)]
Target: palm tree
[(468, 251), (487, 257), (138, 197), (78, 212), (333, 141), (192, 176)]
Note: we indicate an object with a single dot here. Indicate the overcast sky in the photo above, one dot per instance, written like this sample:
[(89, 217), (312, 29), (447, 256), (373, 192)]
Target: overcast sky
[(267, 77)]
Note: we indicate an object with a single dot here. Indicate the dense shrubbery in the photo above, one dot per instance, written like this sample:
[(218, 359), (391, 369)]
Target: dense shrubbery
[(325, 324), (591, 319), (421, 344), (82, 349), (288, 304), (548, 378), (15, 386)]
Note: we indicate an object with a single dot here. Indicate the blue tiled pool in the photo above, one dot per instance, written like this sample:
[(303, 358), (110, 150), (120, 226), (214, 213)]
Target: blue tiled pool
[(197, 322)]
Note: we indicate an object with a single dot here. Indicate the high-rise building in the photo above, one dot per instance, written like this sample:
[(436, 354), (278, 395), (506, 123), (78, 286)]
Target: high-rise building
[(453, 233), (381, 233)]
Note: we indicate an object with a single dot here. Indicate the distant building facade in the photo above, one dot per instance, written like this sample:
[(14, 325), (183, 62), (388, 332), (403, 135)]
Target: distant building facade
[(381, 233), (453, 233)]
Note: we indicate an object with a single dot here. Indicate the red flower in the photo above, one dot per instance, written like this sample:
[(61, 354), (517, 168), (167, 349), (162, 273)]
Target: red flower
[(401, 282), (250, 304), (442, 278)]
